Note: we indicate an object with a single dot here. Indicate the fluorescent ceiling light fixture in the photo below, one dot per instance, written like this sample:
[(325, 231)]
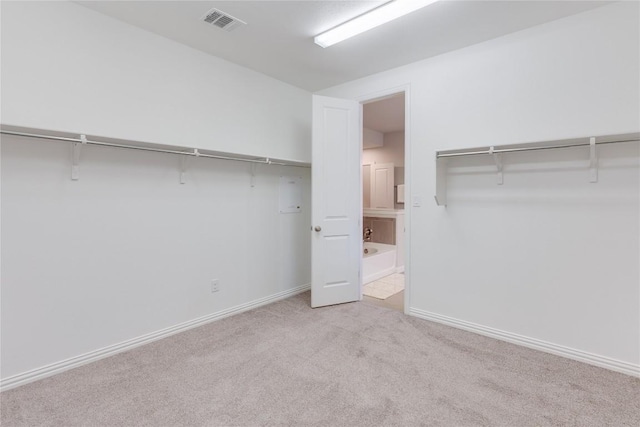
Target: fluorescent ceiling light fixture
[(381, 15)]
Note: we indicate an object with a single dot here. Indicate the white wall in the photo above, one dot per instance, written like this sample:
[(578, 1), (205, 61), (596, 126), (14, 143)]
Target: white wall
[(127, 251), (69, 68), (547, 259)]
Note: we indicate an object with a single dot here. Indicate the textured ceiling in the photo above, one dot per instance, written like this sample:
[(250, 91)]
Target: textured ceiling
[(278, 40)]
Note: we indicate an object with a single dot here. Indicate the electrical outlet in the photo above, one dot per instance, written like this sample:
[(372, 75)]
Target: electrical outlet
[(215, 285)]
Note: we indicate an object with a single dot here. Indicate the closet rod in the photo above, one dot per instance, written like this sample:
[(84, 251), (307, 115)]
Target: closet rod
[(512, 150), (193, 153)]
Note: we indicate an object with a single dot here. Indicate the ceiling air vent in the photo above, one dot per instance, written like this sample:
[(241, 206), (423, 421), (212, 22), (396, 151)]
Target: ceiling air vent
[(222, 20)]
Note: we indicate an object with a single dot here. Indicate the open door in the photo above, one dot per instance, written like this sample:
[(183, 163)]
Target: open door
[(336, 243)]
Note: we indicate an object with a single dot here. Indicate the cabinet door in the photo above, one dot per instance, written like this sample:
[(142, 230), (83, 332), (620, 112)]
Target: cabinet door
[(382, 181)]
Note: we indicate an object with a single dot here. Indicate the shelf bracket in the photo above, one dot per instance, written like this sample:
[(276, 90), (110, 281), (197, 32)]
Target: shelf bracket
[(75, 165), (593, 160), (497, 158), (183, 169), (253, 175), (441, 181), (184, 164)]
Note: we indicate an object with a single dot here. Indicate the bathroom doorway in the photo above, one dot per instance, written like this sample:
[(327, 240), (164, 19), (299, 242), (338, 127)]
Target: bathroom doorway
[(383, 200)]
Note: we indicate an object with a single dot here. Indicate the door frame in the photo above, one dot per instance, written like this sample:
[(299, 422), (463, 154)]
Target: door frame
[(377, 96)]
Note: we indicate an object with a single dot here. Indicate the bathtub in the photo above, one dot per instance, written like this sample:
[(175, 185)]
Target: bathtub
[(380, 261)]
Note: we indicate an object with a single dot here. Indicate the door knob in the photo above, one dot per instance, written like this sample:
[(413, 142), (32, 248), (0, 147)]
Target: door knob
[(317, 228)]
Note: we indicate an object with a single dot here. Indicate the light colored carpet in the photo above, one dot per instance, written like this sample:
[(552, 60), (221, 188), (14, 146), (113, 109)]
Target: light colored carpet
[(385, 287), (347, 365)]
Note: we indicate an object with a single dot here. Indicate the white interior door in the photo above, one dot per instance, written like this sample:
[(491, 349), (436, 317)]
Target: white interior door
[(382, 181), (336, 241)]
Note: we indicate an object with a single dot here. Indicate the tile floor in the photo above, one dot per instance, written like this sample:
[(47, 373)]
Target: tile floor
[(385, 287)]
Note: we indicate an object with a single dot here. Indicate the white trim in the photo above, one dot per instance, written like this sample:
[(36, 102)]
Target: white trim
[(408, 168), (74, 362), (536, 344), (400, 269)]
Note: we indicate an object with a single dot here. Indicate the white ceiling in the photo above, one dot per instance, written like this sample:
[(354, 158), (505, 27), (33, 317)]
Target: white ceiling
[(385, 115), (278, 40)]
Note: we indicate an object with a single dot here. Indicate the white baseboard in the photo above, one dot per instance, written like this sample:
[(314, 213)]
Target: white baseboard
[(74, 362), (400, 269), (559, 350)]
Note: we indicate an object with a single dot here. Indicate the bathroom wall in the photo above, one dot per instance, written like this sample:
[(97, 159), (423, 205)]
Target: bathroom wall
[(371, 138), (391, 152), (384, 229), (548, 259), (127, 254)]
